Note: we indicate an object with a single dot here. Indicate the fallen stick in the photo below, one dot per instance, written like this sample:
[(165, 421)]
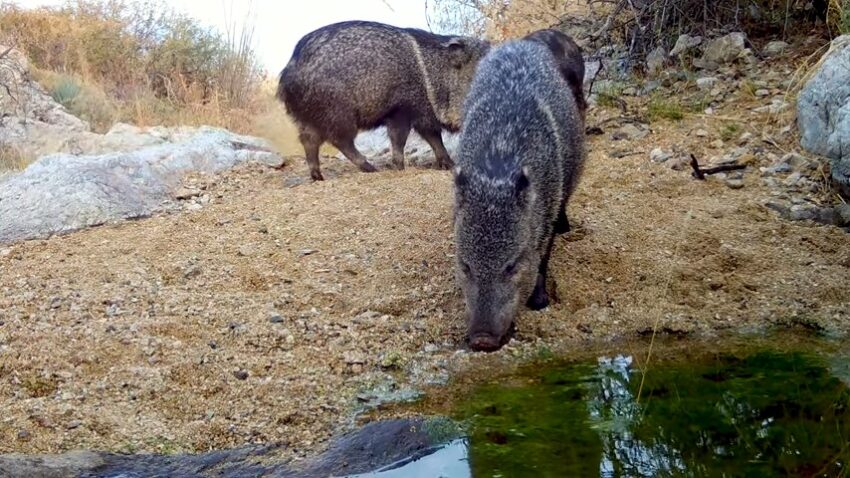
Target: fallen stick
[(701, 173)]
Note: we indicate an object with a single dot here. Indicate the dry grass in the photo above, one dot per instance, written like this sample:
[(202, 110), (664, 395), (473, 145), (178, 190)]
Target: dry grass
[(11, 159)]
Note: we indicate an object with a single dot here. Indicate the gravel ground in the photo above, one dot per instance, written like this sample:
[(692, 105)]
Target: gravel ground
[(268, 313)]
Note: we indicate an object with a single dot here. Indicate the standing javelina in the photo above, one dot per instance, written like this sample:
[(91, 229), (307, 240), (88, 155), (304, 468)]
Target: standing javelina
[(353, 76), (569, 58), (521, 154)]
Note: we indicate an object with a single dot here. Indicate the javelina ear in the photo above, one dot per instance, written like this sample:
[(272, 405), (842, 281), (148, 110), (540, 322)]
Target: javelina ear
[(457, 51)]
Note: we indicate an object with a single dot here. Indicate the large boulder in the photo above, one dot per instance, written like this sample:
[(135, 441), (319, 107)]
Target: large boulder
[(65, 192), (823, 111), (31, 121)]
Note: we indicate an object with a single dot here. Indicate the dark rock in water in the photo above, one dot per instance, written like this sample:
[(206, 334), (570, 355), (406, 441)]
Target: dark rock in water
[(380, 444)]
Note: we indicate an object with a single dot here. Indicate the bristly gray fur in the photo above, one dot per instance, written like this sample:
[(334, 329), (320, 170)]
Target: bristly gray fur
[(357, 75), (520, 157)]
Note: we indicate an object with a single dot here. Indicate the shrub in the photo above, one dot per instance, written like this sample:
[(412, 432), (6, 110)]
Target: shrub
[(138, 61)]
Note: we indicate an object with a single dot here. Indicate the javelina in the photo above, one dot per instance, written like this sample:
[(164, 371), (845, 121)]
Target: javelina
[(353, 76), (521, 154), (569, 58)]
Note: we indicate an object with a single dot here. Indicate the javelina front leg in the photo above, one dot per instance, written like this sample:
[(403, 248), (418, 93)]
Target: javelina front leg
[(539, 296), (398, 130), (562, 224), (312, 141), (347, 148), (435, 140)]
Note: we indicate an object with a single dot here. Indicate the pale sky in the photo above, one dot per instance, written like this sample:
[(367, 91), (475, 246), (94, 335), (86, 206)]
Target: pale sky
[(279, 24)]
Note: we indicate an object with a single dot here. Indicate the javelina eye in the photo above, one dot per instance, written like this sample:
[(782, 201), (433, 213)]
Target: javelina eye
[(512, 268), (465, 268)]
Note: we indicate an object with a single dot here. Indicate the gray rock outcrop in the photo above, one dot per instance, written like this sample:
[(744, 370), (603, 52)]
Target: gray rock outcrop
[(64, 192), (823, 111)]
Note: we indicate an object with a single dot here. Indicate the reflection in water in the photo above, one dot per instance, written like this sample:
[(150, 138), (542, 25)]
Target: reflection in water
[(767, 414), (449, 461), (614, 413)]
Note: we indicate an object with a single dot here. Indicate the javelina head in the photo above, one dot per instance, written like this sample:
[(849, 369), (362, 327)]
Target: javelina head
[(462, 55), (496, 259)]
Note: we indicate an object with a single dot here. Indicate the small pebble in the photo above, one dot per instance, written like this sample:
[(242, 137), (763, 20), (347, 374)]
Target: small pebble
[(73, 424), (276, 319), (24, 435), (241, 374), (735, 183)]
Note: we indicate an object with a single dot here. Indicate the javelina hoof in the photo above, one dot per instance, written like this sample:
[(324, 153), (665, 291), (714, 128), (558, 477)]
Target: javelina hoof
[(485, 343), (316, 176), (368, 168), (539, 299), (445, 164)]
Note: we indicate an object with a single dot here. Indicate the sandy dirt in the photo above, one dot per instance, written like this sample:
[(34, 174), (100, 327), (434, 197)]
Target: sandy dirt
[(262, 316)]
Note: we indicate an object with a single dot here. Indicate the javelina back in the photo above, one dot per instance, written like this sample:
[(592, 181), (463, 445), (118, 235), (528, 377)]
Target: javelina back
[(570, 60), (353, 76), (521, 154)]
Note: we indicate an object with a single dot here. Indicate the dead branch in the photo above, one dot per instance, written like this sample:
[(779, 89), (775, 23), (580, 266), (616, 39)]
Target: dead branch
[(701, 173)]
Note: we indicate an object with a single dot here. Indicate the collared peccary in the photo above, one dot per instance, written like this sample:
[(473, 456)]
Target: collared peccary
[(521, 154), (357, 75), (570, 60)]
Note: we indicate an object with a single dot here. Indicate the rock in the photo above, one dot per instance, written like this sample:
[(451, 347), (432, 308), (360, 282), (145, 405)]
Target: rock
[(353, 358), (777, 105), (762, 93), (184, 193), (630, 132), (241, 374), (61, 193), (722, 51), (31, 122), (700, 133), (276, 318), (775, 48), (717, 144), (684, 44), (735, 183), (707, 83), (73, 424), (24, 435), (655, 61), (745, 138), (293, 181), (307, 252), (658, 155), (842, 212), (823, 112), (798, 162)]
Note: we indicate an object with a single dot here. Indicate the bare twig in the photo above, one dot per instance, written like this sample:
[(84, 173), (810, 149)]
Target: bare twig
[(701, 173)]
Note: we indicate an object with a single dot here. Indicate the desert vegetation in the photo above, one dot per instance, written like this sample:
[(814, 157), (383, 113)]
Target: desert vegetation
[(142, 62)]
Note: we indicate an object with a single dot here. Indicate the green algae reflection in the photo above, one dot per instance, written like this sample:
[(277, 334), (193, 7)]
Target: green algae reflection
[(762, 415)]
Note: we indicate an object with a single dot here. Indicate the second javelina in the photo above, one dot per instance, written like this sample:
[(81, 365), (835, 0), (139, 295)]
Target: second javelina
[(520, 157), (353, 76)]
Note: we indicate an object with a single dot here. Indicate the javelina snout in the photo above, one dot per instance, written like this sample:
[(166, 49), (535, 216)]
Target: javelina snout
[(520, 157), (353, 76)]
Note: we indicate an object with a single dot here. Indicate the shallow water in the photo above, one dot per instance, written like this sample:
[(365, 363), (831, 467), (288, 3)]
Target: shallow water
[(763, 413)]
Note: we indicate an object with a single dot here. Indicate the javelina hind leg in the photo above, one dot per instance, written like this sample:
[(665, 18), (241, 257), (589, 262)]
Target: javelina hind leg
[(562, 224), (435, 140), (347, 148), (398, 130), (312, 140), (540, 297)]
